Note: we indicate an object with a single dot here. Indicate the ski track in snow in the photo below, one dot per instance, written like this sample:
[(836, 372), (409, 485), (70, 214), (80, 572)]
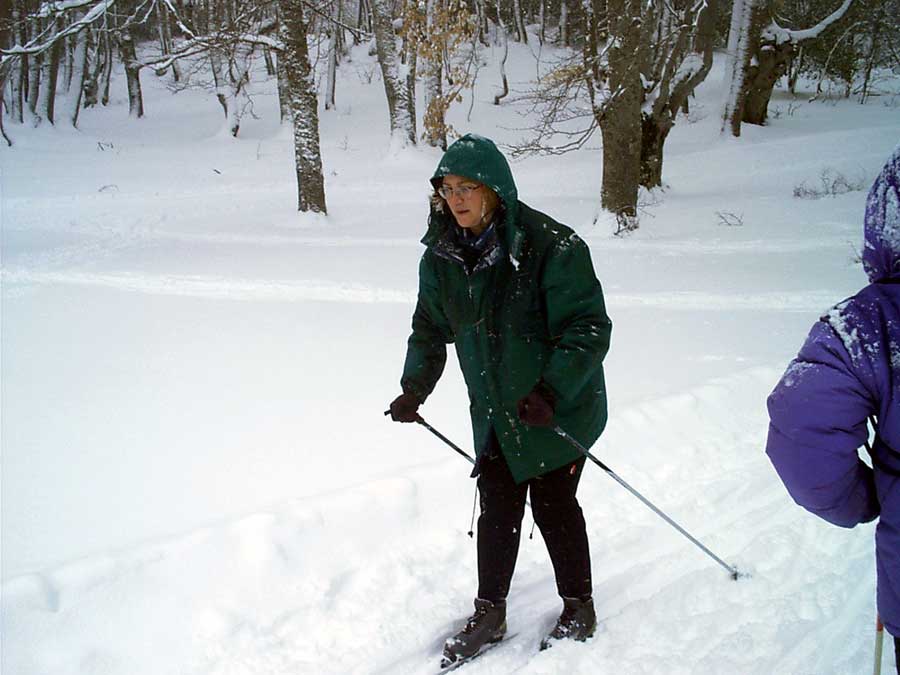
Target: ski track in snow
[(278, 592), (222, 288)]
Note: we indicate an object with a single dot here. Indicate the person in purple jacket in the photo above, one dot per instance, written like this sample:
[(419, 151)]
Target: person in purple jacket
[(846, 374)]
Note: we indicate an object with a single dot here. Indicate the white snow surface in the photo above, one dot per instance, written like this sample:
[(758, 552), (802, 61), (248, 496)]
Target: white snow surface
[(197, 476)]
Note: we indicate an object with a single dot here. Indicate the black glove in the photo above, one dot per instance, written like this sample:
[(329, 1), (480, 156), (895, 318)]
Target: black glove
[(405, 408), (536, 409)]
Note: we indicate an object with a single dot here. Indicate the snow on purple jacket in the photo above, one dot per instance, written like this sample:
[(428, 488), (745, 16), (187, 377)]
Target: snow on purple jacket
[(847, 371)]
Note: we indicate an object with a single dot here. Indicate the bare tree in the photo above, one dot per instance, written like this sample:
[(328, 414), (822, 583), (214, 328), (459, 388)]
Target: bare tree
[(449, 48), (165, 37), (334, 48), (519, 19), (46, 101), (132, 73), (746, 24), (504, 38), (402, 121), (620, 120), (760, 51), (679, 37), (79, 64), (564, 23), (639, 63), (304, 106)]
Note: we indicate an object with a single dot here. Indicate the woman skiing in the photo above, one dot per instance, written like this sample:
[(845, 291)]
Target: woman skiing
[(516, 293), (848, 372)]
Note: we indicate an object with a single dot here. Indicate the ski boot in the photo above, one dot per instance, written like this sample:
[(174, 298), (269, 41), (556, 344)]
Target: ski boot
[(577, 622), (486, 626)]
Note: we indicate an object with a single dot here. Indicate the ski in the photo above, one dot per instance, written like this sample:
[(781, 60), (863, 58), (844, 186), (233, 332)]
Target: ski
[(450, 666)]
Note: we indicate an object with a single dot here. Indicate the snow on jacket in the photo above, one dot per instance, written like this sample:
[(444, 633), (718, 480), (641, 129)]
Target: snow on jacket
[(847, 371), (528, 309)]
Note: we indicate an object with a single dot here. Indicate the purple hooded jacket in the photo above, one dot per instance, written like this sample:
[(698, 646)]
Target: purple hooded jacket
[(847, 371)]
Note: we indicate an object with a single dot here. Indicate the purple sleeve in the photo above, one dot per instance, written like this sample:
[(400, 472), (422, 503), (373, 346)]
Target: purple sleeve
[(818, 414)]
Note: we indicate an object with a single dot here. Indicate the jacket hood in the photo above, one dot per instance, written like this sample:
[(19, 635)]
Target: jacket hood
[(881, 255), (477, 157)]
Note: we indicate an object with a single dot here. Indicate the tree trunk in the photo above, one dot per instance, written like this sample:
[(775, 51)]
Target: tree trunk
[(301, 94), (34, 73), (270, 62), (107, 68), (411, 49), (331, 74), (217, 65), (875, 26), (653, 138), (678, 79), (503, 36), (46, 103), (435, 132), (165, 38), (79, 65), (772, 56), (403, 124), (796, 67), (132, 75), (482, 20), (284, 100), (621, 123), (233, 91), (16, 91), (92, 77), (746, 25), (770, 62), (333, 49), (542, 22), (2, 129), (363, 19), (564, 23), (67, 61), (18, 77), (518, 17)]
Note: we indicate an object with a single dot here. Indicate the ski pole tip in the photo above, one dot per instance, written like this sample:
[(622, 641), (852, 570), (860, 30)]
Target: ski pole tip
[(737, 575)]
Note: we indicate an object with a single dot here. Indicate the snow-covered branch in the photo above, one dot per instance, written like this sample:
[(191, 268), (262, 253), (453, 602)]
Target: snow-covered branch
[(38, 45), (48, 9), (263, 40), (780, 35)]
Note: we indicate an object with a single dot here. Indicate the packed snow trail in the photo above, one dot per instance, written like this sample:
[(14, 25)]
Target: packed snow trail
[(372, 579)]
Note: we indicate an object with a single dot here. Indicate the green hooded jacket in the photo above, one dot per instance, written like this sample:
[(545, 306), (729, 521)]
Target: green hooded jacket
[(530, 310)]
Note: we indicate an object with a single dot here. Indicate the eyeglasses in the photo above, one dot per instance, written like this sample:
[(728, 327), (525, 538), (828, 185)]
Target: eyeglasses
[(461, 191)]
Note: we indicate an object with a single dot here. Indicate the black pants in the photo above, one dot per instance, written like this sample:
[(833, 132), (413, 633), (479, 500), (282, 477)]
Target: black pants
[(897, 653), (557, 514)]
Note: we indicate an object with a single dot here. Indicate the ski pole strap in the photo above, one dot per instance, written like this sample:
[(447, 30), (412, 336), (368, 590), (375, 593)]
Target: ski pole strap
[(732, 570)]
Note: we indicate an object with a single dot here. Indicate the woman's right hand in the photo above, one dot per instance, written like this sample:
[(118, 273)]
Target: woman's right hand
[(405, 408)]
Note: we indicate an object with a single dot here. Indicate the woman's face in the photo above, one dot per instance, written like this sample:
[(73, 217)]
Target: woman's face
[(474, 210)]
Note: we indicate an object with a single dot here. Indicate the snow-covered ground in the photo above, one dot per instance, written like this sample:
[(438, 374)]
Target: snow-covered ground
[(196, 473)]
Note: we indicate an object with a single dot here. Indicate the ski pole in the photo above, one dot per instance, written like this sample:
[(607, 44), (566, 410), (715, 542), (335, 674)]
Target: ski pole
[(879, 643), (732, 570), (420, 420), (453, 445), (446, 440)]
